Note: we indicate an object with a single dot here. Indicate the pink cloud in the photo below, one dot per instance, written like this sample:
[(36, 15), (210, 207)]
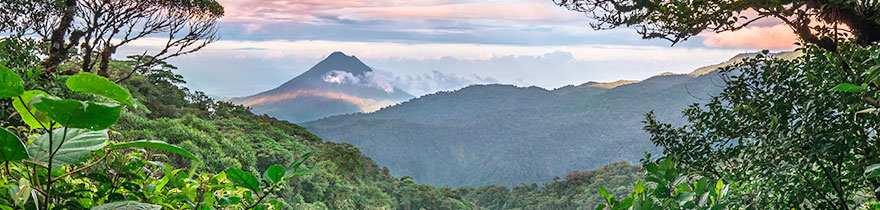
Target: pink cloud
[(529, 10), (777, 37), (307, 10)]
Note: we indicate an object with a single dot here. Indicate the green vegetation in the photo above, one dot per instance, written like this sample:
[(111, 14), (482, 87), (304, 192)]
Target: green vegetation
[(784, 134), (796, 133), (69, 160), (578, 190), (233, 146), (507, 135)]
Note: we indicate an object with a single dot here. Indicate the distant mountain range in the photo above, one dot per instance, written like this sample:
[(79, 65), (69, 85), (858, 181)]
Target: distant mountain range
[(339, 84), (507, 135)]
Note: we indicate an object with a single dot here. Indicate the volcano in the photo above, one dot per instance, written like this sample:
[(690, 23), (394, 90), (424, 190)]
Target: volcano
[(340, 84)]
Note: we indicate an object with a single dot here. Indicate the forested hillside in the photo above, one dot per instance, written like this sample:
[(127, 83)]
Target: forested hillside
[(223, 135), (231, 136), (502, 134)]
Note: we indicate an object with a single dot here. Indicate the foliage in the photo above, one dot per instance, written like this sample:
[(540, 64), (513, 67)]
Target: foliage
[(90, 32), (666, 187), (60, 156), (784, 131), (794, 134), (226, 136), (578, 190), (507, 135), (815, 22)]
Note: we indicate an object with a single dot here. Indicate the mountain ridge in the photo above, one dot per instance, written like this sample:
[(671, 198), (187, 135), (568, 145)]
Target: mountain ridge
[(504, 134)]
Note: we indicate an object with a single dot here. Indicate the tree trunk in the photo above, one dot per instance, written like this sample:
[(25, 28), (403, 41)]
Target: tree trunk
[(58, 49)]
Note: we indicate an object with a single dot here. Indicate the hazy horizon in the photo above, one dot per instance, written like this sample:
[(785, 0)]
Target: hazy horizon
[(434, 45)]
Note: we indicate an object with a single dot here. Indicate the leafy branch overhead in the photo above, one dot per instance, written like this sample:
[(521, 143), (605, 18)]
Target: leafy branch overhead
[(92, 31)]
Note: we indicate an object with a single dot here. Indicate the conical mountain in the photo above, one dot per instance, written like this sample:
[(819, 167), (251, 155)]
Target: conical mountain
[(340, 84)]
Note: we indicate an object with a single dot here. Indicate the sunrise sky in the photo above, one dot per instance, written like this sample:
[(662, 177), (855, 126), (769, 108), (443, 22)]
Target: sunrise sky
[(430, 45)]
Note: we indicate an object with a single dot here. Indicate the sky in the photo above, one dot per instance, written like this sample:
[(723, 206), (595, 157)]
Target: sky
[(433, 45)]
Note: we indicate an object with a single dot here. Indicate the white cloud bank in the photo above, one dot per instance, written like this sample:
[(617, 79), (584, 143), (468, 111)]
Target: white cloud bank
[(378, 80), (236, 68)]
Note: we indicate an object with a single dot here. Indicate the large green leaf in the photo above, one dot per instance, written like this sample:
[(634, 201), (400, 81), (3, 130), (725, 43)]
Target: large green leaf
[(79, 114), (603, 192), (127, 205), (243, 179), (23, 104), (155, 144), (10, 83), (873, 171), (848, 87), (11, 148), (275, 173), (98, 85), (74, 148)]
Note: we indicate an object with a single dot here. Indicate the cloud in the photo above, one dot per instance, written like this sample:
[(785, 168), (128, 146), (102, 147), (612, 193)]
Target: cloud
[(418, 21), (309, 10), (777, 37), (408, 65), (437, 81), (381, 81), (528, 10), (341, 77)]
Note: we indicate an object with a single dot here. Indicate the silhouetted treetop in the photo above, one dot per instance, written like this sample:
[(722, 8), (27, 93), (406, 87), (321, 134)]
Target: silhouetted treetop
[(814, 21)]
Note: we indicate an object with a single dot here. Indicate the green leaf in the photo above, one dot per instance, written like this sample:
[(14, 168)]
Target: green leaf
[(293, 170), (11, 148), (640, 187), (661, 192), (73, 148), (98, 85), (10, 83), (873, 74), (849, 87), (243, 179), (300, 172), (703, 199), (276, 204), (275, 173), (603, 192), (296, 164), (23, 193), (873, 171), (155, 144), (600, 207), (35, 119), (723, 191), (652, 168), (128, 205), (79, 114), (701, 185), (684, 197)]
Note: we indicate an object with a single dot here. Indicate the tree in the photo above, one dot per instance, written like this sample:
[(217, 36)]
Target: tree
[(92, 30), (787, 133), (779, 131), (677, 20)]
